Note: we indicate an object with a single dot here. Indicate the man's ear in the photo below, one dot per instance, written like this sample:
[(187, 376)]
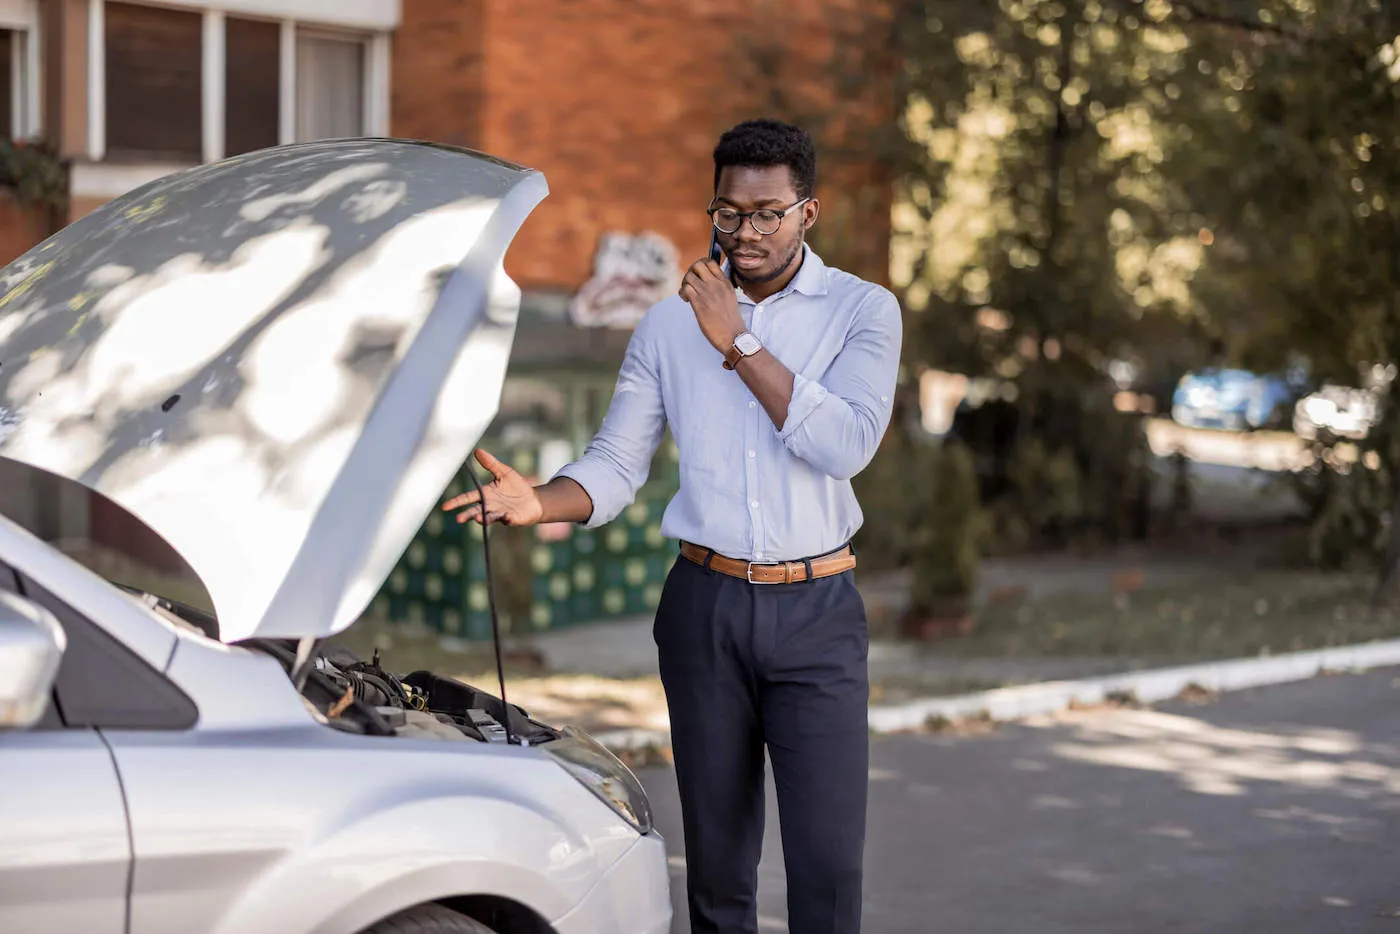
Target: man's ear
[(810, 212)]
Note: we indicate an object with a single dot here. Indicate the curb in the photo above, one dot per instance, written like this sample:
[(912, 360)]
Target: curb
[(1148, 686)]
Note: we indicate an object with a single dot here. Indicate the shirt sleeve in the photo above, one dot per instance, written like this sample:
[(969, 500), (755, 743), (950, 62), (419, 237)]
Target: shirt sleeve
[(616, 462), (836, 424)]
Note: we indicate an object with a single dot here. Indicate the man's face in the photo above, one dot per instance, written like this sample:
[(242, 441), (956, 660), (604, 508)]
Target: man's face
[(757, 258)]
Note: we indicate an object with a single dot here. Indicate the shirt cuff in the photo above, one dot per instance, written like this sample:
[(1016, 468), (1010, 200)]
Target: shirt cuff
[(806, 396), (597, 483)]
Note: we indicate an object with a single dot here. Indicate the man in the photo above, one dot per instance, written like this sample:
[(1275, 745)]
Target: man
[(777, 384)]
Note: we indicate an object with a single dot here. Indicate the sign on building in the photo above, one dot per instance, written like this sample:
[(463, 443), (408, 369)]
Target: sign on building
[(631, 273)]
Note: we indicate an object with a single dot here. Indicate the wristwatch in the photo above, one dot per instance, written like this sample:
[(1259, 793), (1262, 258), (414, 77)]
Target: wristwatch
[(746, 344)]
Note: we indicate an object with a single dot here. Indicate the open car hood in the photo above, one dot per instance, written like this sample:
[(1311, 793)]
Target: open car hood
[(278, 362)]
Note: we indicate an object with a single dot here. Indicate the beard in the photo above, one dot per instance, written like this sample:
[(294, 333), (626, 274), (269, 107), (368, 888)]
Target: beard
[(781, 268)]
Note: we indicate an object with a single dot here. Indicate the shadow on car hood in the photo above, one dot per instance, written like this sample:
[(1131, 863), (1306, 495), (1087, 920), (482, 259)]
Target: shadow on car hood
[(277, 362)]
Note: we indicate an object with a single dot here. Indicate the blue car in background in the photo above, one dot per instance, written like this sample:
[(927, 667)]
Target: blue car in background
[(1235, 399)]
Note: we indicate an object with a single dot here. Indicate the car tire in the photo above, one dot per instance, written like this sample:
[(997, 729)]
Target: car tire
[(429, 919)]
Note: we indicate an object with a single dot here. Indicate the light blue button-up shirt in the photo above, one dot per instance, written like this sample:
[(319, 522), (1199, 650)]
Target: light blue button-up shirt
[(747, 489)]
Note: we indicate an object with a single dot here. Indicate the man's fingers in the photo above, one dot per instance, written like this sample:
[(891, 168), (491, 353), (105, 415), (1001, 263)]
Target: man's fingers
[(472, 514), (488, 460), (463, 499), (708, 269)]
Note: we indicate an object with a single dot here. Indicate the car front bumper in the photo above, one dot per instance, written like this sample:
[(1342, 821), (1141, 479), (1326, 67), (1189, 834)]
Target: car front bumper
[(633, 896)]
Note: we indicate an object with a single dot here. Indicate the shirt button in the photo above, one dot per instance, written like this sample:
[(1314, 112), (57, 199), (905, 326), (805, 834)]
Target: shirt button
[(758, 308), (753, 503), (752, 404), (751, 454)]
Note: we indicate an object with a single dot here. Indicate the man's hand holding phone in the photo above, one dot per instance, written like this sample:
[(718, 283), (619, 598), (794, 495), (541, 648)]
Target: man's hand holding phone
[(710, 295)]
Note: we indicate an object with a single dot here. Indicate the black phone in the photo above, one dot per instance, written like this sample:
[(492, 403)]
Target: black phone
[(716, 253)]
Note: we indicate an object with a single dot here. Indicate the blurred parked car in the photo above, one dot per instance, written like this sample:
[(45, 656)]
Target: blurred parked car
[(1343, 411), (1340, 411), (1234, 399)]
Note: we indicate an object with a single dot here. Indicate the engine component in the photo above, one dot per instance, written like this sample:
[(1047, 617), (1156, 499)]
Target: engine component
[(423, 725), (483, 721)]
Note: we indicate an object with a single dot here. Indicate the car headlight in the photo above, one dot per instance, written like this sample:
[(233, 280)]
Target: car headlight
[(604, 774)]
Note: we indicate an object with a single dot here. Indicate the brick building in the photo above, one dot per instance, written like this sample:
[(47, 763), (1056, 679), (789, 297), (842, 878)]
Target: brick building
[(619, 102)]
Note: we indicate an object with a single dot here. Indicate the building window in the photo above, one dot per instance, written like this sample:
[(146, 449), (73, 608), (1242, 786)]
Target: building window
[(252, 83), (330, 84), (179, 82), (19, 83), (154, 60)]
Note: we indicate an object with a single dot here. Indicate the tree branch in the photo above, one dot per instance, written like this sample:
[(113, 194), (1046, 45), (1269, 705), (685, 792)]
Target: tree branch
[(1196, 13)]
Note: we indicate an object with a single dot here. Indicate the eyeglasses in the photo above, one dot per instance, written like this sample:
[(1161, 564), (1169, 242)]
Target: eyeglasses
[(765, 221)]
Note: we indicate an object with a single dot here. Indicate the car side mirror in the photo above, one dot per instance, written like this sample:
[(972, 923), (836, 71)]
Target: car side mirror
[(31, 646)]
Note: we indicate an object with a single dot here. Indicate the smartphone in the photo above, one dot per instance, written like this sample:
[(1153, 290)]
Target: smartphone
[(716, 253)]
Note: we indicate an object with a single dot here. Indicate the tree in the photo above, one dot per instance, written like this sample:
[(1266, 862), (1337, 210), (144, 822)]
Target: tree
[(1038, 239), (1305, 196)]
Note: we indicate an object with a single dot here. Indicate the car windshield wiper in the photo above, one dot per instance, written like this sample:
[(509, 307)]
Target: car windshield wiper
[(202, 620)]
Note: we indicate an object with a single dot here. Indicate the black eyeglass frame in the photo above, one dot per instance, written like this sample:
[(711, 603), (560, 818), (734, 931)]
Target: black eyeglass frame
[(745, 215)]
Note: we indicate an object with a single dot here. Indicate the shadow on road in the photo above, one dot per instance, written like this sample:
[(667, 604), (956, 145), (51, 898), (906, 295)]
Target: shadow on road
[(1273, 810)]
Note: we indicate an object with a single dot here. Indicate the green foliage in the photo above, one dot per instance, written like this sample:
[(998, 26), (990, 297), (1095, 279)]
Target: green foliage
[(1038, 239), (1049, 488), (35, 171), (1308, 205), (946, 530), (1350, 506), (883, 490), (1159, 181), (921, 507), (1349, 492)]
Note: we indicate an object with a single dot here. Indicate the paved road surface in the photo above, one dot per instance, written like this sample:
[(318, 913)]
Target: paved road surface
[(1273, 811)]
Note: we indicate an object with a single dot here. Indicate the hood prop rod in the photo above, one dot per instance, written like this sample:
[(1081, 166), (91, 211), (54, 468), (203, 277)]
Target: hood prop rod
[(491, 601)]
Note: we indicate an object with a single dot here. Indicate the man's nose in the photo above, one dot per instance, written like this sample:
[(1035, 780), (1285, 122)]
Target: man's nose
[(747, 232)]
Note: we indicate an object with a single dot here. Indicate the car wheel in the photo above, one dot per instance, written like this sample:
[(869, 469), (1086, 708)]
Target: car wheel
[(429, 919)]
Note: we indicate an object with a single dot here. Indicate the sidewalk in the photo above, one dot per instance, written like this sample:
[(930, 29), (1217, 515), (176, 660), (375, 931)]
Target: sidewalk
[(624, 648), (603, 676)]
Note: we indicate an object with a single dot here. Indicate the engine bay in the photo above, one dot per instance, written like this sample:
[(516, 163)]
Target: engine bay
[(424, 704), (348, 693)]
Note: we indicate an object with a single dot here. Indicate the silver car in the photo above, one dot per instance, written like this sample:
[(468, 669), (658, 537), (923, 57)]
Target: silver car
[(278, 363)]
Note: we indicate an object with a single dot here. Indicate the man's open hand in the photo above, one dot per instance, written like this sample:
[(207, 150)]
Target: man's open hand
[(711, 297), (510, 498)]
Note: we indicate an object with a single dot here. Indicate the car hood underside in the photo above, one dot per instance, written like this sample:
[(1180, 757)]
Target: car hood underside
[(277, 362)]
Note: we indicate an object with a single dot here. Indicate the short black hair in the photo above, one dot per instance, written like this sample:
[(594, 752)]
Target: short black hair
[(764, 143)]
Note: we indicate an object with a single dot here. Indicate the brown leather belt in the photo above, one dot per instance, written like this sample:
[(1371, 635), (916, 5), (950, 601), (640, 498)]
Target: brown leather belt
[(783, 572)]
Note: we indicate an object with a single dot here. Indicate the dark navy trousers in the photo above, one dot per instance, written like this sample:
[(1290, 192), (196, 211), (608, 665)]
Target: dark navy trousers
[(782, 667)]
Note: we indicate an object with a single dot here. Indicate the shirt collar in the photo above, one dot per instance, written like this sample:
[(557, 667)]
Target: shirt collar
[(810, 279)]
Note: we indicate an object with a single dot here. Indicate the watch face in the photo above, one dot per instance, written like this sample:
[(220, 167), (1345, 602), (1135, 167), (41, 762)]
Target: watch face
[(747, 343)]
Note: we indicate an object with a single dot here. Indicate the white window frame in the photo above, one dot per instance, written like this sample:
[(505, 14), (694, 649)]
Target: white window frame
[(370, 21), (26, 102), (374, 119)]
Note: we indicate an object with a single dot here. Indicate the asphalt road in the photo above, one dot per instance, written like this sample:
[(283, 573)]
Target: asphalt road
[(1275, 810)]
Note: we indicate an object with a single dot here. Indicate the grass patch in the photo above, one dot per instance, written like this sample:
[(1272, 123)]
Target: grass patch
[(1267, 612)]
